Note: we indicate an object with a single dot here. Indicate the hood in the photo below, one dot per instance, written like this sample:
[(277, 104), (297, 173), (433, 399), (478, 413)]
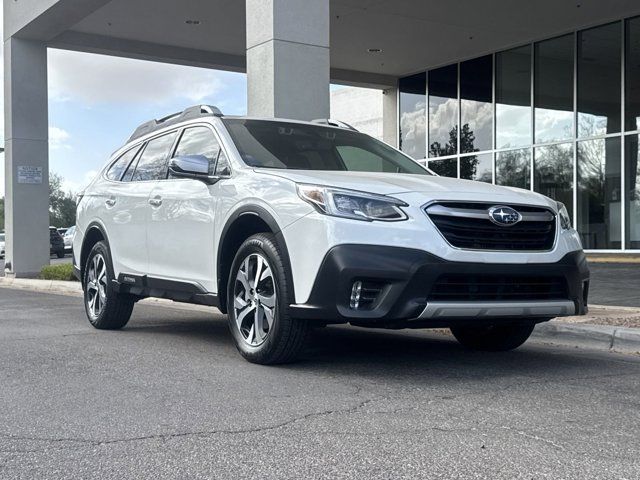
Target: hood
[(433, 187)]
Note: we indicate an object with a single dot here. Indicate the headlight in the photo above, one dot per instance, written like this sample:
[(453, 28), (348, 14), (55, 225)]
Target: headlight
[(565, 219), (352, 204)]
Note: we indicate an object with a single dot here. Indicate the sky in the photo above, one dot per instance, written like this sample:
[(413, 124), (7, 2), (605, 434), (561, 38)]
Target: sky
[(97, 101)]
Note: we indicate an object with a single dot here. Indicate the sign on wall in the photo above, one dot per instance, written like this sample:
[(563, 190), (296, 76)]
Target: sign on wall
[(29, 175)]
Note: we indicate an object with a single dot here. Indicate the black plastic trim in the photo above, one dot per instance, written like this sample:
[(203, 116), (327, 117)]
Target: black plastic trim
[(271, 222), (409, 275), (144, 286)]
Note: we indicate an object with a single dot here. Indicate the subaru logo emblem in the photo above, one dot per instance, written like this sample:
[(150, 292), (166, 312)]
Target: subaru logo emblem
[(504, 216)]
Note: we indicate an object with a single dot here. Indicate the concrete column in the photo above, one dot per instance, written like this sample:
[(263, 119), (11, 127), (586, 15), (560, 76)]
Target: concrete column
[(390, 116), (26, 156), (288, 58)]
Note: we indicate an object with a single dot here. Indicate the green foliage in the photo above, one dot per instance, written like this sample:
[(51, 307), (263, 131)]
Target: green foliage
[(63, 271), (62, 205)]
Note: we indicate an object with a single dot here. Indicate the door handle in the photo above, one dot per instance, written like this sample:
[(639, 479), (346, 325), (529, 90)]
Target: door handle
[(110, 202), (155, 201)]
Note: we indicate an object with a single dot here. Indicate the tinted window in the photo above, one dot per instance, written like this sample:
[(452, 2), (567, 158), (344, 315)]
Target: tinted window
[(632, 75), (599, 80), (270, 144), (120, 165), (476, 107), (222, 167), (553, 87), (513, 168), (413, 117), (199, 141), (443, 111), (553, 173), (513, 98), (153, 161), (358, 160), (477, 167), (599, 194), (632, 184)]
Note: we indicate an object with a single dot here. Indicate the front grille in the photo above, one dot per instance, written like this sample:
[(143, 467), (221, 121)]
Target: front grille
[(467, 226), (497, 288)]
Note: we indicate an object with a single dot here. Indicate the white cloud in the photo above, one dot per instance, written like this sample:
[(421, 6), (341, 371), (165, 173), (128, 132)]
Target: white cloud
[(58, 138), (92, 79)]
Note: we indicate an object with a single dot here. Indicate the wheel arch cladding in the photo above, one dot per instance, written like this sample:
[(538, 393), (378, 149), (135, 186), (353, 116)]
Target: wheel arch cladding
[(242, 224), (95, 233)]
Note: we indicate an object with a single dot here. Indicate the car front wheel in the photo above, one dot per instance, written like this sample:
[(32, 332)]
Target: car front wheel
[(493, 338), (258, 296), (106, 309)]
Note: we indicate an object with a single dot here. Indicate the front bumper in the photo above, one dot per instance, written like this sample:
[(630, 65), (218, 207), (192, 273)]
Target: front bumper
[(409, 275)]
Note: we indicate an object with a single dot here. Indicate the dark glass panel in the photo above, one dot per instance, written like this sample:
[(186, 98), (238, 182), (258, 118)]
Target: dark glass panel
[(599, 80), (632, 185), (513, 168), (413, 116), (447, 167), (599, 193), (443, 111), (632, 75), (553, 173), (513, 98), (477, 167), (476, 107), (553, 89)]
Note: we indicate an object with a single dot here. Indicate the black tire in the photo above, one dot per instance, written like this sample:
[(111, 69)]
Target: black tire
[(286, 336), (493, 338), (116, 308), (60, 254)]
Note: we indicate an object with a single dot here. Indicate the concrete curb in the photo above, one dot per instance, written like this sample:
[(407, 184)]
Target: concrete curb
[(599, 337)]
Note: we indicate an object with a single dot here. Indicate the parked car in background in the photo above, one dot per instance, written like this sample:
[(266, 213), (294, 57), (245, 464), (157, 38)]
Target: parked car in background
[(68, 239), (56, 243), (62, 231), (1, 245)]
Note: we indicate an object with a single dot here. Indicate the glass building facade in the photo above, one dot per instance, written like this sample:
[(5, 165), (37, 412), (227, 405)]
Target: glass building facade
[(560, 117)]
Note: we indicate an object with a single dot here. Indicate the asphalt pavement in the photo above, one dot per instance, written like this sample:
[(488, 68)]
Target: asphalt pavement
[(169, 397)]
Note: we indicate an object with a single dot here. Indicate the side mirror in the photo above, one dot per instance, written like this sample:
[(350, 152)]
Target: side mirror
[(195, 167)]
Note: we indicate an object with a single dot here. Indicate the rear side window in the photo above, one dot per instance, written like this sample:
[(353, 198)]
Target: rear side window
[(199, 141), (152, 164), (120, 165)]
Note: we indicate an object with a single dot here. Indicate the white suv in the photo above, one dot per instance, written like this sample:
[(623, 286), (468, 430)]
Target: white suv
[(285, 225)]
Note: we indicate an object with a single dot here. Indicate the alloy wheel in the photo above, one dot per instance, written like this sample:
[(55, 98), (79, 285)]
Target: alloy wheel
[(96, 286), (254, 299)]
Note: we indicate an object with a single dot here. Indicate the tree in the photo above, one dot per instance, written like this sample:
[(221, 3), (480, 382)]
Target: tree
[(448, 168), (62, 205)]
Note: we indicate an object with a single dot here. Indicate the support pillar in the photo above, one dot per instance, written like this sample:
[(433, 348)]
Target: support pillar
[(390, 116), (26, 156), (288, 58)]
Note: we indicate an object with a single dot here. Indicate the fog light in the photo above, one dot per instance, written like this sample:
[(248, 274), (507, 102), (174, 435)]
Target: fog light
[(355, 294)]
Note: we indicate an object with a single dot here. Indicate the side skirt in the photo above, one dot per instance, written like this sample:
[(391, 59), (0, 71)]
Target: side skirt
[(144, 286)]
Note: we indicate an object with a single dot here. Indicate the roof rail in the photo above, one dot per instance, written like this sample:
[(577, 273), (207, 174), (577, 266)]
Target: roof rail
[(333, 123), (190, 113)]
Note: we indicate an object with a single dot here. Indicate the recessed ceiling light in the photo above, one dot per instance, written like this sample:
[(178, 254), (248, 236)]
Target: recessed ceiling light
[(374, 50), (192, 22)]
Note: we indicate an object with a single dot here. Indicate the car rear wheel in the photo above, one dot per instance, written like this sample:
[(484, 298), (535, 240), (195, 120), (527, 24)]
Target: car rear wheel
[(258, 296), (106, 309), (493, 338)]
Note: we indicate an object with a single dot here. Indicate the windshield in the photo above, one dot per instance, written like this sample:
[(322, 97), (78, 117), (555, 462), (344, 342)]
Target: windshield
[(273, 144)]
